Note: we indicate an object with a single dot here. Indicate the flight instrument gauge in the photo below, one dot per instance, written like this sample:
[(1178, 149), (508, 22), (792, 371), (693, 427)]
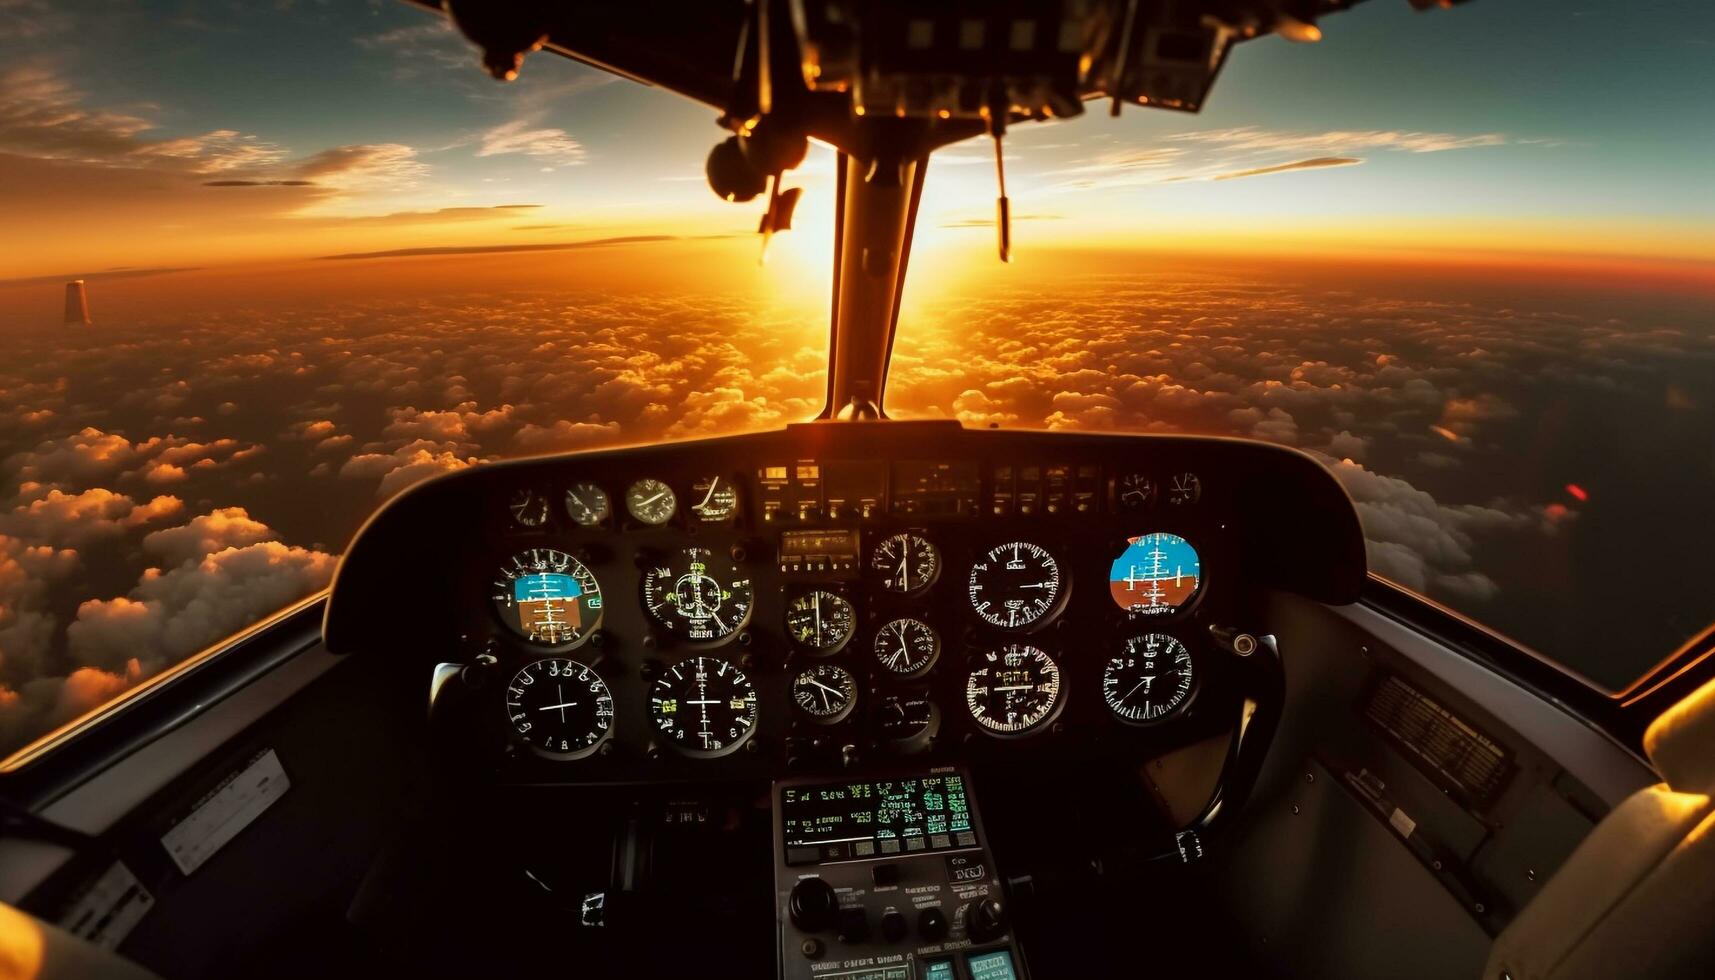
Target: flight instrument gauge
[(1016, 586), (907, 722), (1156, 574), (1013, 690), (560, 708), (1136, 491), (587, 504), (529, 508), (703, 706), (547, 597), (716, 499), (697, 595), (1150, 679), (1184, 488), (820, 621), (651, 502), (906, 647), (907, 563), (825, 692)]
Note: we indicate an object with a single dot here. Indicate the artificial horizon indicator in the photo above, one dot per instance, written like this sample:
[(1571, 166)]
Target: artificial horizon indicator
[(560, 708), (1156, 574), (547, 597)]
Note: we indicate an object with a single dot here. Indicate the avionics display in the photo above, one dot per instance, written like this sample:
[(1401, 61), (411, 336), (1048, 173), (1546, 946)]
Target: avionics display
[(834, 821)]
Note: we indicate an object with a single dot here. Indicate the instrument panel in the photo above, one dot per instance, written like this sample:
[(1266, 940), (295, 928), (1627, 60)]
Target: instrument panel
[(828, 597)]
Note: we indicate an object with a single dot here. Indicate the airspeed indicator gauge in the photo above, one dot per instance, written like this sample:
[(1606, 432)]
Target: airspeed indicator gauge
[(825, 692), (697, 596), (649, 501), (547, 597), (560, 708), (820, 621), (1016, 586)]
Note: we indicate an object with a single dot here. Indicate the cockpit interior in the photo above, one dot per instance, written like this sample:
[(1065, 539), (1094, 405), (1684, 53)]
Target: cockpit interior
[(866, 698)]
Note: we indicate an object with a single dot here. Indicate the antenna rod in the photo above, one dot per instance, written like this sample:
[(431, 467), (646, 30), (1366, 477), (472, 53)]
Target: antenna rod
[(1003, 207)]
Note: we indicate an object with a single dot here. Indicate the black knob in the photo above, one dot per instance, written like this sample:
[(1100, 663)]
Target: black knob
[(892, 927), (932, 925), (813, 904), (986, 920)]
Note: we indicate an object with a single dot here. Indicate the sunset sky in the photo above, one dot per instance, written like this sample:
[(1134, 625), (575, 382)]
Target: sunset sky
[(150, 135)]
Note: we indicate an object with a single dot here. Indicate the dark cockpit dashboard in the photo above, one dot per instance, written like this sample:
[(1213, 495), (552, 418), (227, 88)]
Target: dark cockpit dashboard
[(840, 597)]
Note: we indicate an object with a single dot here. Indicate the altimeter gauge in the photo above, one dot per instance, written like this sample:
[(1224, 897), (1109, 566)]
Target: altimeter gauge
[(697, 595), (587, 504), (714, 499), (559, 708), (1013, 690), (907, 563), (825, 692), (1016, 585), (1150, 680), (704, 706), (906, 647), (649, 501), (820, 621), (547, 597)]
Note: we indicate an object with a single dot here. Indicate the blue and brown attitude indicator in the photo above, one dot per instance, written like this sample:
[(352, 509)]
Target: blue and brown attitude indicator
[(1155, 575)]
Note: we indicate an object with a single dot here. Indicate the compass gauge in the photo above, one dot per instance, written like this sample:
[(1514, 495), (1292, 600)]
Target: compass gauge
[(559, 708), (907, 563), (1150, 680), (696, 595), (820, 621), (1016, 586), (824, 692), (547, 597), (703, 707), (651, 502), (906, 647)]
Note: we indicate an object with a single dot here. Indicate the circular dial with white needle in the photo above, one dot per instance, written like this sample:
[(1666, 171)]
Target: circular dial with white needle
[(907, 563), (697, 595), (649, 501), (1184, 488), (587, 504), (703, 706), (559, 708), (529, 508), (1016, 585), (1136, 491), (1150, 679), (820, 621), (825, 692), (1013, 690), (907, 647), (716, 499)]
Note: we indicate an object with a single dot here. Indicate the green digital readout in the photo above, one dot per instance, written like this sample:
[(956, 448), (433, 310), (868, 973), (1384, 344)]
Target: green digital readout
[(938, 970), (880, 817)]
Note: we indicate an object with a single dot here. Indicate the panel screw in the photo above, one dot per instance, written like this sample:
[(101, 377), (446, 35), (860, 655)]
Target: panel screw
[(1295, 809), (1530, 874), (1309, 777)]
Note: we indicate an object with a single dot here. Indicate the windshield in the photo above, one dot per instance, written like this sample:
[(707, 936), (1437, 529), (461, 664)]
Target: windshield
[(323, 257)]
